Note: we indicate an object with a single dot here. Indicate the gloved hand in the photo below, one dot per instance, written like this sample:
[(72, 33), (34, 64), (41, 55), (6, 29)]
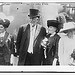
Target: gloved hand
[(44, 42), (54, 62), (14, 60), (11, 59)]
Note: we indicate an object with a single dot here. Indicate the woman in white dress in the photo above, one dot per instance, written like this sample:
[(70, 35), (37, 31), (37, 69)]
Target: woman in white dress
[(67, 45)]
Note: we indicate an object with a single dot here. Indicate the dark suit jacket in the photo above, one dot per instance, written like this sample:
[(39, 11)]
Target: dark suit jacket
[(23, 38), (52, 49)]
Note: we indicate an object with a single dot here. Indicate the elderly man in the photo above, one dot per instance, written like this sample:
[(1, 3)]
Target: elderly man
[(29, 40)]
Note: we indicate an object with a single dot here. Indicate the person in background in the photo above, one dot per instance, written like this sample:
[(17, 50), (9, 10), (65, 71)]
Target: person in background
[(66, 50), (64, 18), (14, 57), (29, 39), (52, 39), (5, 42)]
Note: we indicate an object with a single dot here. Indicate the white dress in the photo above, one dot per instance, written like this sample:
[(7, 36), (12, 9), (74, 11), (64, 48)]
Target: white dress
[(66, 47)]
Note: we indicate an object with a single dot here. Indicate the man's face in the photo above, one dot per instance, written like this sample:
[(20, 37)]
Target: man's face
[(2, 28), (51, 29), (34, 20)]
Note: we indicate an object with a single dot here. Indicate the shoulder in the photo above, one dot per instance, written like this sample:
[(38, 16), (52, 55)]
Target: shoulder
[(57, 36), (42, 28), (63, 39), (24, 26)]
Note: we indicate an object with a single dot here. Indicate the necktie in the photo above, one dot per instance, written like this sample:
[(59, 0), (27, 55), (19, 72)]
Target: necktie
[(32, 33)]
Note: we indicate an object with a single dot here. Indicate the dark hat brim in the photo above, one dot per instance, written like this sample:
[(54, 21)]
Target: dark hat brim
[(31, 16), (53, 23)]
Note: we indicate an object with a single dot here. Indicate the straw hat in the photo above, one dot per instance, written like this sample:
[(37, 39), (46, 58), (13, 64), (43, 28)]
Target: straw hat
[(68, 26)]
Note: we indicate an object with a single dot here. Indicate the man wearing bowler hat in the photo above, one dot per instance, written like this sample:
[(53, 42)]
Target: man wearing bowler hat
[(29, 40)]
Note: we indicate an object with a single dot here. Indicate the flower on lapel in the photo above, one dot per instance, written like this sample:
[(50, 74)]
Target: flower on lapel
[(44, 42)]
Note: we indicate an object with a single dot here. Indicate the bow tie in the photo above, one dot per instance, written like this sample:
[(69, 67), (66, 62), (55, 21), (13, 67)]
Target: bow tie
[(33, 25)]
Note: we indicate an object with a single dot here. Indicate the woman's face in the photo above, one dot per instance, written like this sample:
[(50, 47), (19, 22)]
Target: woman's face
[(51, 29), (74, 32), (2, 29), (71, 33)]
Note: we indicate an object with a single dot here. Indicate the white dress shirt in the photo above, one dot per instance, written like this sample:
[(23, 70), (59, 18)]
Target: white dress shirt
[(32, 34)]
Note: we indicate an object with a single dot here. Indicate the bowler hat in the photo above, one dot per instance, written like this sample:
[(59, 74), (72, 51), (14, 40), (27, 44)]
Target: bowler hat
[(5, 23), (34, 13)]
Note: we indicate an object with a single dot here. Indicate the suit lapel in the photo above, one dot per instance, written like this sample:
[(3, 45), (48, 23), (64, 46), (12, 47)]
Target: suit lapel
[(38, 28), (25, 33)]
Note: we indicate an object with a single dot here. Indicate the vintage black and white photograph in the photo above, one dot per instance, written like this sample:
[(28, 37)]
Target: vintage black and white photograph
[(36, 34)]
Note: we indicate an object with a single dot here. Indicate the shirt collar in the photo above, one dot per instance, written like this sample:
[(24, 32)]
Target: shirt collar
[(52, 34)]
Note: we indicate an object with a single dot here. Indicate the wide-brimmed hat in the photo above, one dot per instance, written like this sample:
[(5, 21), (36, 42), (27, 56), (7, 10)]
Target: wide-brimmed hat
[(68, 26), (5, 23), (34, 13)]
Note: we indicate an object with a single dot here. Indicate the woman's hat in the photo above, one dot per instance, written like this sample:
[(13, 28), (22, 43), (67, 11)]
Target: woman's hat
[(34, 13), (53, 23), (5, 23), (68, 26)]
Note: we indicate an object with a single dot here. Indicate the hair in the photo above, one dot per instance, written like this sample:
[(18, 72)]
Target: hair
[(68, 19)]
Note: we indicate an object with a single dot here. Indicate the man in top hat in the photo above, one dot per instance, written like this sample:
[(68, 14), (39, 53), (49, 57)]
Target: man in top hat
[(52, 42), (29, 41)]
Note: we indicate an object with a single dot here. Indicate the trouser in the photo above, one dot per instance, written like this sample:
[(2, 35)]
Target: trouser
[(33, 59), (49, 61), (3, 62)]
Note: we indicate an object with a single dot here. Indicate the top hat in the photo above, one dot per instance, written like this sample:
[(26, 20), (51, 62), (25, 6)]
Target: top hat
[(5, 23), (34, 13), (68, 26)]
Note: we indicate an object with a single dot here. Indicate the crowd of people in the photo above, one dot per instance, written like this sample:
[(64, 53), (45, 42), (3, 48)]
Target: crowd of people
[(35, 46)]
